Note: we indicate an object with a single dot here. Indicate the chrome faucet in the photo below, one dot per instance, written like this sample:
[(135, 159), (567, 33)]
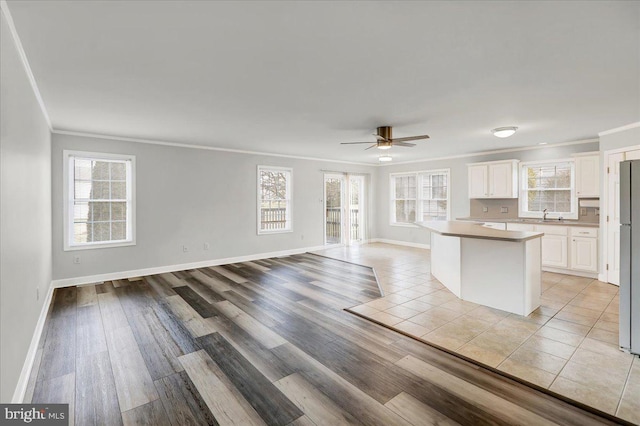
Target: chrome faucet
[(544, 216)]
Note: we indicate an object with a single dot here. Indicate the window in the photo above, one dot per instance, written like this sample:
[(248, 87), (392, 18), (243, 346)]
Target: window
[(99, 206), (419, 196), (274, 200), (548, 186)]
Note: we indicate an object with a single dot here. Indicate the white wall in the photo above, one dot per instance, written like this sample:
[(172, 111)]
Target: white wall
[(188, 197), (25, 213), (458, 185), (623, 139)]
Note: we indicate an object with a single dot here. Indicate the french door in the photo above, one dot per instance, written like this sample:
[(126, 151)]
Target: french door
[(344, 208)]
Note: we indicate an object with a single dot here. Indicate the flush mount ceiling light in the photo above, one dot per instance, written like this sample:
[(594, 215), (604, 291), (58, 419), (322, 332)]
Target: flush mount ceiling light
[(385, 158), (504, 132), (384, 145)]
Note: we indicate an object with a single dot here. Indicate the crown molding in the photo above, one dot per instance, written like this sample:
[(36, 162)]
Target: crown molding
[(620, 129), (203, 147), (25, 62), (497, 151)]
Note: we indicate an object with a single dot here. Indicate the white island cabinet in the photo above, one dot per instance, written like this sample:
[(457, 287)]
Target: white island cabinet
[(495, 268)]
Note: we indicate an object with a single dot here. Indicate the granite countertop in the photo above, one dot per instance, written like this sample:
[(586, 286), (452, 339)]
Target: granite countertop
[(475, 230), (531, 221)]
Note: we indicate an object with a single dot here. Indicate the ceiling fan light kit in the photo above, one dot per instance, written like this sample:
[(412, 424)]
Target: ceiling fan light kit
[(504, 132)]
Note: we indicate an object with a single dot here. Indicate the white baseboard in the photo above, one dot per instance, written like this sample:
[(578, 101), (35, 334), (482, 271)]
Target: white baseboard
[(67, 282), (23, 380), (570, 272), (400, 243)]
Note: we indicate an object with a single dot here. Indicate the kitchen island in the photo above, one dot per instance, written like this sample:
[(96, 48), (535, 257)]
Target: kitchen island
[(495, 268)]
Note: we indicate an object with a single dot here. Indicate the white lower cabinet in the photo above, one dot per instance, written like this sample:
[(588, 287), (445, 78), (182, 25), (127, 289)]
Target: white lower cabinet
[(584, 249), (554, 251)]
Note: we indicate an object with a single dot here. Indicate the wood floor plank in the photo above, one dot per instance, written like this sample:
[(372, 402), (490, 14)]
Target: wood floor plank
[(161, 285), (150, 414), (477, 396), (59, 351), (341, 392), (183, 402), (225, 402), (113, 316), (58, 390), (215, 284), (178, 331), (201, 306), (96, 398), (302, 421), (259, 332), (90, 337), (416, 412), (271, 404), (134, 385), (203, 290), (196, 325), (171, 279), (316, 406), (31, 384), (87, 295), (228, 274)]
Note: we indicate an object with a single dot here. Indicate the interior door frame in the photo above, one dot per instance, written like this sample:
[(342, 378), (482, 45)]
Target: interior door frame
[(604, 208)]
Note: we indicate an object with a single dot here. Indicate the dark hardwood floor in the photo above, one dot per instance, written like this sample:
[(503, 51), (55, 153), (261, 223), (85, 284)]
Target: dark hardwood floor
[(263, 342)]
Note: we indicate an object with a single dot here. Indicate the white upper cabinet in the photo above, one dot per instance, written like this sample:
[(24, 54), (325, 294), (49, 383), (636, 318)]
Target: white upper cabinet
[(496, 179), (588, 175)]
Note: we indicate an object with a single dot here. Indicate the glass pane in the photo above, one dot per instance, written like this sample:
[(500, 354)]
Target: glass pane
[(273, 184), (100, 190), (100, 211), (81, 212), (118, 211), (118, 230), (405, 211), (101, 231), (82, 189), (82, 169), (80, 232), (118, 190), (100, 170), (118, 171)]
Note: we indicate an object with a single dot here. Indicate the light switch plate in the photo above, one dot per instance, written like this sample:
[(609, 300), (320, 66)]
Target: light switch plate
[(485, 209), (504, 209)]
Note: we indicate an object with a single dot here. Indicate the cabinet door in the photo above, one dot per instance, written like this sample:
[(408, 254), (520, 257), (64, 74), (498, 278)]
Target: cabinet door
[(478, 187), (588, 176), (501, 180), (554, 251), (584, 254)]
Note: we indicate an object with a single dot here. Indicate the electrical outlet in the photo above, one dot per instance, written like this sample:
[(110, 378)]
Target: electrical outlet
[(485, 209), (504, 209), (76, 259), (185, 249), (206, 246), (583, 211)]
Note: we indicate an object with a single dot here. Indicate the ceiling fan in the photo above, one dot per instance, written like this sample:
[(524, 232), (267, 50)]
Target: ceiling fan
[(386, 140)]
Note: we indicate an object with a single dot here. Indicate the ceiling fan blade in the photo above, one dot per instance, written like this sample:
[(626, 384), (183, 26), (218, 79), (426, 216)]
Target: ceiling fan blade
[(403, 144), (381, 138), (410, 138), (352, 143), (372, 146)]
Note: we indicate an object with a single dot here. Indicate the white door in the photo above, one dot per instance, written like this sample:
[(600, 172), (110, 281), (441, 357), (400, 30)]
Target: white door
[(344, 201), (613, 213)]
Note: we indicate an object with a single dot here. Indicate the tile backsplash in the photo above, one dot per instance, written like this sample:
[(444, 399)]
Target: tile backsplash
[(495, 210)]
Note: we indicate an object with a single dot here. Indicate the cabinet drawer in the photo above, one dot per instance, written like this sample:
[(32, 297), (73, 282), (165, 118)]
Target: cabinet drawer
[(584, 232), (552, 230)]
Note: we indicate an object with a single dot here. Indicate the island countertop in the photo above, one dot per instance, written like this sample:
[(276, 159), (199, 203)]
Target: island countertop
[(475, 230)]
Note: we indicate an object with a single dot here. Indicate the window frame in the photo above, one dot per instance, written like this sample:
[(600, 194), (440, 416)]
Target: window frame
[(524, 190), (68, 190), (289, 199), (419, 176)]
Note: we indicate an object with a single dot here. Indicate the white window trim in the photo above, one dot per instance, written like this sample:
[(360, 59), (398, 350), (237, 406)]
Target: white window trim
[(67, 190), (259, 199), (392, 213), (523, 191)]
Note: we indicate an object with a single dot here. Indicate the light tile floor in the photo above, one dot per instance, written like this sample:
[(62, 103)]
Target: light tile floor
[(569, 345)]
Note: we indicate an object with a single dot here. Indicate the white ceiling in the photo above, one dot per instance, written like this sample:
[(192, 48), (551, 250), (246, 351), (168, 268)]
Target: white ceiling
[(297, 78)]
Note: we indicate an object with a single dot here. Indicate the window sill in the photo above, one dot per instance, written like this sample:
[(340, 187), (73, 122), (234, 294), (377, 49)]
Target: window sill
[(99, 246), (282, 231)]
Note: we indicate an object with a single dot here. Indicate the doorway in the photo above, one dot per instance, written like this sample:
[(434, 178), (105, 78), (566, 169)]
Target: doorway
[(344, 209)]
